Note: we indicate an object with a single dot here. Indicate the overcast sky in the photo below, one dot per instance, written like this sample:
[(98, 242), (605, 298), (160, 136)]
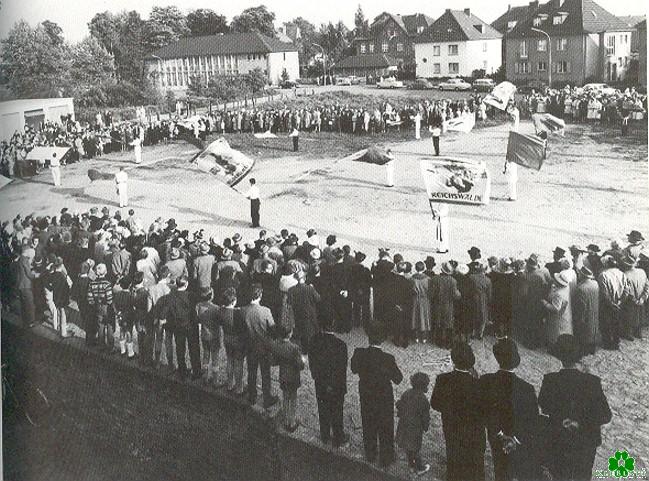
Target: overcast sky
[(73, 15)]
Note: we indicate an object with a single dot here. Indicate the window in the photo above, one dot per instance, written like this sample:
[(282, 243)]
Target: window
[(542, 66), (484, 65), (371, 48), (453, 68), (557, 20), (537, 21), (542, 46), (362, 48), (522, 49), (522, 67), (562, 44), (399, 47), (437, 68), (420, 29), (384, 47), (610, 45), (484, 46), (436, 51), (563, 67), (511, 24), (452, 49)]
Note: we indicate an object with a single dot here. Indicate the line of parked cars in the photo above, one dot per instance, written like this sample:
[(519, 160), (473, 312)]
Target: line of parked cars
[(454, 84)]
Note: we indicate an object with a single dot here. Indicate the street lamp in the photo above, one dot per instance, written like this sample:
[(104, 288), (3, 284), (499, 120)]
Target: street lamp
[(549, 54), (324, 63)]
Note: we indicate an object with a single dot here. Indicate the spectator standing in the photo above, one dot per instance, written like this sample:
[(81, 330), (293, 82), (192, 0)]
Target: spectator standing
[(413, 412), (291, 363), (585, 313), (230, 318), (121, 183), (100, 300), (255, 202)]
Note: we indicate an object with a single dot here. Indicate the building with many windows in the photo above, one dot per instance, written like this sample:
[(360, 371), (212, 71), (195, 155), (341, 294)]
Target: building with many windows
[(393, 35), (573, 41), (457, 44), (198, 59)]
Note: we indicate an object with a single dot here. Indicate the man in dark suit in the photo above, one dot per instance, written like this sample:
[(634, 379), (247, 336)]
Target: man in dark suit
[(577, 408), (260, 327), (328, 365), (456, 396), (403, 294), (376, 371), (512, 417)]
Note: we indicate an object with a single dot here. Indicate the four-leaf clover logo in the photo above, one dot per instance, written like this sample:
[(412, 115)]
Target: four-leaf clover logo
[(621, 464)]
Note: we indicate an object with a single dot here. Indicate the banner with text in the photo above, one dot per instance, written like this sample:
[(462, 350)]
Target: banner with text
[(456, 181)]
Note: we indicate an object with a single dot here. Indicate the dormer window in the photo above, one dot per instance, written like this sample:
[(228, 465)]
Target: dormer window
[(537, 21), (420, 29), (559, 18), (511, 24), (479, 28)]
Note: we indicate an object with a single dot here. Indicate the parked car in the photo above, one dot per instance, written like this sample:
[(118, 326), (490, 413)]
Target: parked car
[(599, 88), (421, 84), (456, 84), (288, 84), (484, 85), (533, 85), (389, 83), (356, 80), (343, 81)]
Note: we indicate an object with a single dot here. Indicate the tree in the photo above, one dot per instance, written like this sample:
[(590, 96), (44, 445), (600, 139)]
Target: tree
[(165, 25), (284, 76), (91, 63), (333, 39), (35, 61), (256, 80), (308, 36), (361, 25), (122, 35), (255, 19), (204, 21)]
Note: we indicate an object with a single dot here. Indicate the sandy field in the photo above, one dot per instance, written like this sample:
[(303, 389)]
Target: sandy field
[(593, 188)]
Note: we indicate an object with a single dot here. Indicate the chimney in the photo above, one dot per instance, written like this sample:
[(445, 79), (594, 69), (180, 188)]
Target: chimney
[(509, 7), (467, 11), (448, 10), (534, 5)]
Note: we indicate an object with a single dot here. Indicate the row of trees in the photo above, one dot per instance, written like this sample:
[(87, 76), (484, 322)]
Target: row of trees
[(107, 67)]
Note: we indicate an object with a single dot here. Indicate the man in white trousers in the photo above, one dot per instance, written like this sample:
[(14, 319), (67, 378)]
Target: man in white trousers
[(418, 125), (55, 168), (137, 148), (511, 168), (389, 169), (442, 227), (121, 178)]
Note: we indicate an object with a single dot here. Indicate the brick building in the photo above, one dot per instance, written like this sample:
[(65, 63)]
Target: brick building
[(587, 44)]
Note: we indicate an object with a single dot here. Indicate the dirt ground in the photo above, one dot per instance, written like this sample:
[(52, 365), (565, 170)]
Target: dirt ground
[(593, 188)]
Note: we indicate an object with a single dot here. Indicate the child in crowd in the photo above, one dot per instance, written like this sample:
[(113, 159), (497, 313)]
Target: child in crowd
[(291, 362), (413, 412)]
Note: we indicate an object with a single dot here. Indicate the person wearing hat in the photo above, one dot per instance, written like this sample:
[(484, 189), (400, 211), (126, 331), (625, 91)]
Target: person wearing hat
[(443, 295), (255, 201), (611, 294), (176, 264), (577, 252), (304, 301), (24, 277), (475, 255), (178, 320), (100, 301), (577, 408), (456, 396), (555, 266), (338, 276), (585, 311), (636, 240), (538, 282), (510, 406), (422, 309), (377, 371), (559, 311), (502, 280), (636, 293), (480, 298), (593, 260), (202, 266), (402, 298)]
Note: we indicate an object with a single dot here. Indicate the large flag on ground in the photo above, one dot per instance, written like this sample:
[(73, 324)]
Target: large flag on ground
[(548, 123), (456, 181), (227, 164), (463, 123), (526, 150), (42, 154), (371, 155), (4, 181), (500, 95)]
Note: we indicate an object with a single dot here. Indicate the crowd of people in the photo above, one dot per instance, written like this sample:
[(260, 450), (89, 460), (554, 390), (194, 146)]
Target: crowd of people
[(165, 296), (103, 135), (577, 105)]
